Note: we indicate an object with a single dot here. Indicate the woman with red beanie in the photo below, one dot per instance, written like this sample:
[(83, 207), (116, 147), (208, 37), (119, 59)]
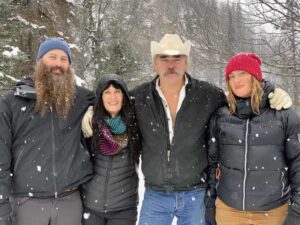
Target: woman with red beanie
[(257, 150)]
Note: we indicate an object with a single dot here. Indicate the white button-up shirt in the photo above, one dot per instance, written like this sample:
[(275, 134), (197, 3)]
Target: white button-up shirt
[(167, 109)]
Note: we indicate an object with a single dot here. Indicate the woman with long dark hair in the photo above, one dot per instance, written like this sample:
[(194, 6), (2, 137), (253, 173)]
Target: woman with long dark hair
[(111, 197)]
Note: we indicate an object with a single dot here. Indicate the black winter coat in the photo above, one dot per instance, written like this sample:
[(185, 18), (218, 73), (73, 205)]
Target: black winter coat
[(180, 165), (258, 156), (114, 186), (43, 154)]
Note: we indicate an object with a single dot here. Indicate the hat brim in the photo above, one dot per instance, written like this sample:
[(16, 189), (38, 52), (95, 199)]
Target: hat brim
[(184, 49)]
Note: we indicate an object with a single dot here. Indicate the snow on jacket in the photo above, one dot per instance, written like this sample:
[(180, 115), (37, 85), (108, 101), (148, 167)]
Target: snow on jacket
[(114, 186), (180, 165), (258, 156), (40, 156)]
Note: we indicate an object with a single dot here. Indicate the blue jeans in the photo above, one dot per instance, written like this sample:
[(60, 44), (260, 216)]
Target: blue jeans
[(160, 208)]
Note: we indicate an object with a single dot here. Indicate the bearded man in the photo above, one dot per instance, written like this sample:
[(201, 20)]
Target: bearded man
[(42, 161)]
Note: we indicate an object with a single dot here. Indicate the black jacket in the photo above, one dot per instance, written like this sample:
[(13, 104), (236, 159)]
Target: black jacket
[(180, 165), (43, 154), (114, 186), (258, 156)]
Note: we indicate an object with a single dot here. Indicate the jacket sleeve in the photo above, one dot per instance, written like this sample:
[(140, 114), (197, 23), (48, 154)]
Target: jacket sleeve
[(292, 154), (90, 98), (213, 153), (5, 159)]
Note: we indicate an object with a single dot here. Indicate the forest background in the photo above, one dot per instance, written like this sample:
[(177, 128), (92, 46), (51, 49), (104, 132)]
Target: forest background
[(113, 36)]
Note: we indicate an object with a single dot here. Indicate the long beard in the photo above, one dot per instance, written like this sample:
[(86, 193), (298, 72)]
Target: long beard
[(53, 92)]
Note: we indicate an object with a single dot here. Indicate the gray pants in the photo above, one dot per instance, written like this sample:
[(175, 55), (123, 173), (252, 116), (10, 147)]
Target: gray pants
[(35, 211)]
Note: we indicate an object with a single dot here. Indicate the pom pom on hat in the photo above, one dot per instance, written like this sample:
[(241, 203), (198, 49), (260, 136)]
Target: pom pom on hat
[(248, 62), (51, 44)]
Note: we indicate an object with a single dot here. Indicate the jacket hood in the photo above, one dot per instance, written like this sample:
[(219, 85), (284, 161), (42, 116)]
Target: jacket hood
[(25, 88), (26, 81), (105, 80)]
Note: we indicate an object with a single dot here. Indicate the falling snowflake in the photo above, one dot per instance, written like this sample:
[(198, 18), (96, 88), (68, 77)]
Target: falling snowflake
[(30, 194), (23, 108), (86, 215), (213, 139), (39, 168)]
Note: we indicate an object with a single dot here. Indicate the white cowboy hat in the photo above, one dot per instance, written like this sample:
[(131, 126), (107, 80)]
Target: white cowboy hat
[(170, 44)]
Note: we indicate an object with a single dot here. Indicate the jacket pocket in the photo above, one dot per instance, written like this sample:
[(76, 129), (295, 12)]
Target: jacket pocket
[(19, 201)]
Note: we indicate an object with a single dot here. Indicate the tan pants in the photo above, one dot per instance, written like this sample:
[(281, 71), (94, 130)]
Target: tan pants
[(226, 215)]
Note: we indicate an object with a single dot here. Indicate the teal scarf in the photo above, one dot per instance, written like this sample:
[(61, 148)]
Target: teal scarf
[(116, 125)]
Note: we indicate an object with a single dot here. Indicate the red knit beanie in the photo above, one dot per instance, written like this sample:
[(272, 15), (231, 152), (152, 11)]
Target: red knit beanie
[(248, 62)]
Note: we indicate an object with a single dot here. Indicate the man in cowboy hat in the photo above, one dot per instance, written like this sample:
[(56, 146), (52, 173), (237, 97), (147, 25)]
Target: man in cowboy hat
[(172, 112)]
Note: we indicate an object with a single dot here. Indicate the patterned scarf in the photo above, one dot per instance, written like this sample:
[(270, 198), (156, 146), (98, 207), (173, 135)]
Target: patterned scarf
[(107, 144)]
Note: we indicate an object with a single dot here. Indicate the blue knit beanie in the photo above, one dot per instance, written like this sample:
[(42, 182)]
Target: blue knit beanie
[(51, 44)]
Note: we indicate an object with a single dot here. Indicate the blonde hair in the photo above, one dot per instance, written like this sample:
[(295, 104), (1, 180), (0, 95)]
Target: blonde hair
[(256, 96)]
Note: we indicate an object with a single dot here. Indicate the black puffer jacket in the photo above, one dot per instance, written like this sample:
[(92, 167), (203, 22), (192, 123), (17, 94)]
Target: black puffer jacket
[(258, 155), (114, 186), (180, 165), (44, 154)]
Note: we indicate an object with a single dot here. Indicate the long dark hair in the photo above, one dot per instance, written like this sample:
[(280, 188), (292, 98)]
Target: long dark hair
[(127, 114)]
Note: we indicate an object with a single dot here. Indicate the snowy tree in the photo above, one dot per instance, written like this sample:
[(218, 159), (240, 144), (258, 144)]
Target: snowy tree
[(283, 54)]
